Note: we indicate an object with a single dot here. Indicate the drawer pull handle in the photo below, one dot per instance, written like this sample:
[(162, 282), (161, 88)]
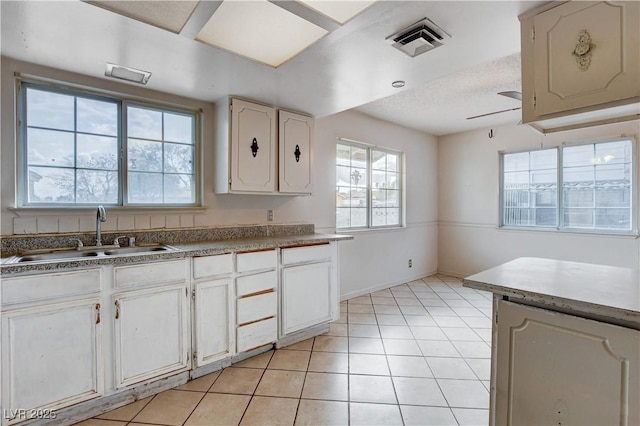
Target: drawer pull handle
[(297, 153)]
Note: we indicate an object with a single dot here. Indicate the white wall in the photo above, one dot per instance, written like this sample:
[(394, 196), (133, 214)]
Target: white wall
[(373, 260), (377, 259), (468, 236)]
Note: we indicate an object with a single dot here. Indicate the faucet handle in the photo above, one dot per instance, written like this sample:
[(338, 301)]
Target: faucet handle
[(78, 242), (116, 241)]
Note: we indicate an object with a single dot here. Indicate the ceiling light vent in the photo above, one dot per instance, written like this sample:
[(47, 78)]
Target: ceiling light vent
[(127, 73), (419, 37)]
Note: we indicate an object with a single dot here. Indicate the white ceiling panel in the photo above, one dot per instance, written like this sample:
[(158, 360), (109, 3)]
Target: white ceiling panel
[(170, 15)]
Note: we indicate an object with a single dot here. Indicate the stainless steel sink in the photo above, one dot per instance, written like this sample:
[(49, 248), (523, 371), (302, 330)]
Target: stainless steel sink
[(89, 252)]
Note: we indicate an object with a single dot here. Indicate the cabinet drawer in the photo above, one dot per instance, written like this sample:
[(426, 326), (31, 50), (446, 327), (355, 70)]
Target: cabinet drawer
[(306, 254), (253, 308), (208, 266), (256, 283), (256, 260), (256, 334), (150, 273), (50, 286)]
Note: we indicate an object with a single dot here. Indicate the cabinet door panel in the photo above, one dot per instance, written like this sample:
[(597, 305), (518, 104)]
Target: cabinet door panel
[(152, 338), (253, 147), (295, 143), (554, 368), (307, 294), (610, 66), (51, 355), (212, 319)]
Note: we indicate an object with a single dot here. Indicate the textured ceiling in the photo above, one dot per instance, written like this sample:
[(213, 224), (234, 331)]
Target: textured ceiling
[(442, 106)]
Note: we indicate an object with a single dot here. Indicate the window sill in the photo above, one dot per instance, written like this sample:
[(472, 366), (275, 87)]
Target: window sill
[(370, 230), (600, 233), (54, 211)]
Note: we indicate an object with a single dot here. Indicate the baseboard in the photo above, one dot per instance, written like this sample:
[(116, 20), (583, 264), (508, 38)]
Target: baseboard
[(452, 273), (368, 290)]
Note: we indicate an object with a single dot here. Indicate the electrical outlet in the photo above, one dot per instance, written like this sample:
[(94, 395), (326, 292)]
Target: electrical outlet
[(410, 263), (269, 215)]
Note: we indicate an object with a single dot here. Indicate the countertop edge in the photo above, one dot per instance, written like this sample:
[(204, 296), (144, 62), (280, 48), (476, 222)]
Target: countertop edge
[(183, 250)]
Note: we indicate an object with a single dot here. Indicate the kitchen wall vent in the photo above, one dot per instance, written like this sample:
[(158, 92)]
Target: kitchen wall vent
[(419, 37)]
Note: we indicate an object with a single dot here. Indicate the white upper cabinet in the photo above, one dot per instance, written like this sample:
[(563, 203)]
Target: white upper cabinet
[(253, 147), (249, 141), (295, 140), (247, 148), (579, 57)]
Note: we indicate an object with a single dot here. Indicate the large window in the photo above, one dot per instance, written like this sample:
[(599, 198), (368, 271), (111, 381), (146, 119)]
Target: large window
[(368, 186), (596, 182), (85, 149)]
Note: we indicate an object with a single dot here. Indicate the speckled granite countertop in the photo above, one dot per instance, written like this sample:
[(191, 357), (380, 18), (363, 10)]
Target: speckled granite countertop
[(189, 249), (598, 290)]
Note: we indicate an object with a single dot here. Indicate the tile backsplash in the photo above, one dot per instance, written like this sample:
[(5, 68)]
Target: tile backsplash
[(15, 244)]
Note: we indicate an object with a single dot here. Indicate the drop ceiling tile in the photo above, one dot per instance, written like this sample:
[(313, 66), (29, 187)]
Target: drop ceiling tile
[(259, 30), (339, 11), (170, 15)]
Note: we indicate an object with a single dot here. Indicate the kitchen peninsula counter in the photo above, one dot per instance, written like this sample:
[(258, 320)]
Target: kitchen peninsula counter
[(565, 342)]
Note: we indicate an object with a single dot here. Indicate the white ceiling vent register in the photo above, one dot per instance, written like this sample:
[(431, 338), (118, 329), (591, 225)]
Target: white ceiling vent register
[(419, 38)]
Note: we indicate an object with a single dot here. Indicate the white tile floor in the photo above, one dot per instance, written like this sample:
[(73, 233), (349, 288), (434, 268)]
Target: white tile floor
[(414, 354)]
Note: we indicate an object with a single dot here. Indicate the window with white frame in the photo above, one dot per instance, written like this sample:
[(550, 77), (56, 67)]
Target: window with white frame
[(368, 186), (80, 148), (575, 187)]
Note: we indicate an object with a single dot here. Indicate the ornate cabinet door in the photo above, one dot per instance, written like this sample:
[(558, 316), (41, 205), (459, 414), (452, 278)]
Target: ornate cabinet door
[(585, 54), (554, 368), (295, 142), (253, 147)]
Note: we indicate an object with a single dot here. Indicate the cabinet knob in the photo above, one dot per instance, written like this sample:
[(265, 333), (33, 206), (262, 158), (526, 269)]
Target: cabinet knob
[(297, 153), (254, 147)]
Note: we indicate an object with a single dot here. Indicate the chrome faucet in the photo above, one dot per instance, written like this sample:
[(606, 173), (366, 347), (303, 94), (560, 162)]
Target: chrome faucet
[(101, 216)]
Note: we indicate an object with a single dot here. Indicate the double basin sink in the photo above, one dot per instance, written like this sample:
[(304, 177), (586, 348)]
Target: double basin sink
[(88, 252)]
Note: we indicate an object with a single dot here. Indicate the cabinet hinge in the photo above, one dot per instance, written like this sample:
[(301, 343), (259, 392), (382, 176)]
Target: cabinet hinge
[(533, 33), (193, 294), (195, 355), (496, 318), (535, 101), (188, 356)]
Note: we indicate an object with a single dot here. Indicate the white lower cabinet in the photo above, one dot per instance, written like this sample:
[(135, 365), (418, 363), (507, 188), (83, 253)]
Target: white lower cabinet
[(151, 333), (306, 296), (51, 358), (52, 340), (213, 337), (309, 287), (213, 308), (555, 368)]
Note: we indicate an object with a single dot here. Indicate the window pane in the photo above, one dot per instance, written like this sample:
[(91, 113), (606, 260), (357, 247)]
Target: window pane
[(354, 165), (97, 186), (358, 177), (144, 123), (50, 185), (358, 157), (50, 110), (98, 117), (178, 128), (598, 185), (145, 188), (179, 189), (97, 152), (343, 155), (178, 158), (529, 192), (144, 156), (50, 148), (358, 217), (343, 218)]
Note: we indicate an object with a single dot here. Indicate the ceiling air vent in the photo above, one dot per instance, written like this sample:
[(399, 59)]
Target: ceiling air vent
[(419, 37)]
